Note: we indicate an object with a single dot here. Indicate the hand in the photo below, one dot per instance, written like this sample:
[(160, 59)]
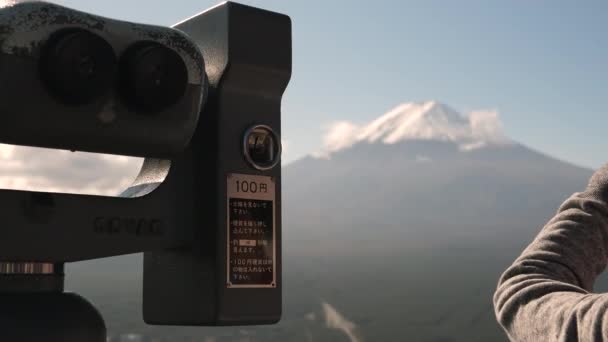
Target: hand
[(598, 184)]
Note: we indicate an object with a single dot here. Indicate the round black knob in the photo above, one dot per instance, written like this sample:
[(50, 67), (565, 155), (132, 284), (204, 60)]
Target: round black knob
[(153, 77), (77, 66), (261, 147)]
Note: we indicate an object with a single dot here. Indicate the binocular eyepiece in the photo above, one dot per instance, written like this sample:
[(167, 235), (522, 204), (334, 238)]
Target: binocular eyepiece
[(153, 77), (134, 78), (79, 67)]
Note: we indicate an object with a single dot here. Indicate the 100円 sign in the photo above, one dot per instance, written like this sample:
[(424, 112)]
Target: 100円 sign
[(251, 239)]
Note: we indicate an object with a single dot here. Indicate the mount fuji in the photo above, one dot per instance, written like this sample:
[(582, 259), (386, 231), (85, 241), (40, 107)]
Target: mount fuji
[(427, 121), (397, 229), (413, 217)]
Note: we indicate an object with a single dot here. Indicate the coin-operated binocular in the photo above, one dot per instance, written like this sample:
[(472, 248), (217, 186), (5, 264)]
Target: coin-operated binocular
[(201, 102)]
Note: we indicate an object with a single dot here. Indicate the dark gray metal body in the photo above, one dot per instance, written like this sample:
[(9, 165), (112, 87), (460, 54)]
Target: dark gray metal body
[(49, 317), (175, 211), (57, 227), (248, 56)]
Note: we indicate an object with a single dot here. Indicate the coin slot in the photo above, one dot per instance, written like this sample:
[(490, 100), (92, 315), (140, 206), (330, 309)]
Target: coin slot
[(262, 147)]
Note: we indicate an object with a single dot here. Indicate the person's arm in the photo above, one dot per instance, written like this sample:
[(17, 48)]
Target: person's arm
[(546, 294)]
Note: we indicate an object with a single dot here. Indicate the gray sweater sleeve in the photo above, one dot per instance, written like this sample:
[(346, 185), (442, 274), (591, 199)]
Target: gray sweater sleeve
[(546, 294)]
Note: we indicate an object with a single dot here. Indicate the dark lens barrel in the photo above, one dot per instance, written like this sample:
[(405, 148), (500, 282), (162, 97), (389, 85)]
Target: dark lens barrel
[(77, 66), (153, 77)]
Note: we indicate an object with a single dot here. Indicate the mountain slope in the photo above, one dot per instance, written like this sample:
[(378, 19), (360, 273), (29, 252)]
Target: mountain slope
[(409, 213)]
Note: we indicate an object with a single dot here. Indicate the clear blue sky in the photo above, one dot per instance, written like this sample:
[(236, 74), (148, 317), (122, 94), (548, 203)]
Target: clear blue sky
[(542, 64)]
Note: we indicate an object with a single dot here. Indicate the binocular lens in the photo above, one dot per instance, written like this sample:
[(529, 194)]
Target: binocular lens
[(153, 77), (77, 66)]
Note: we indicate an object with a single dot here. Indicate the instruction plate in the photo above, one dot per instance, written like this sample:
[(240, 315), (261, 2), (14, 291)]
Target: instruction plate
[(251, 243)]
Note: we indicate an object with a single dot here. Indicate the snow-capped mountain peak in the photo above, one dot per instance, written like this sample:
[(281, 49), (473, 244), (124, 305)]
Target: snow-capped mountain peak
[(429, 120)]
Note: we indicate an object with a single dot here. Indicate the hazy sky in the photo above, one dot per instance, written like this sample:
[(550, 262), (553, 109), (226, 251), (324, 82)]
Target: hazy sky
[(542, 64)]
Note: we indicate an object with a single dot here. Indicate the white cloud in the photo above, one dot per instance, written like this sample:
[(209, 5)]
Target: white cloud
[(284, 149), (40, 169), (429, 120), (338, 136), (6, 151), (4, 3), (335, 320), (475, 145), (486, 125), (423, 159)]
